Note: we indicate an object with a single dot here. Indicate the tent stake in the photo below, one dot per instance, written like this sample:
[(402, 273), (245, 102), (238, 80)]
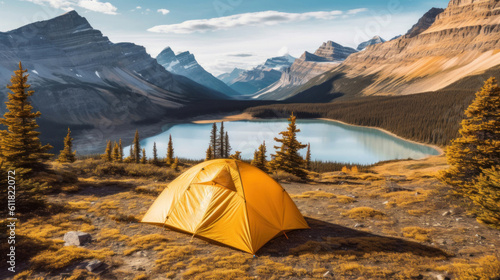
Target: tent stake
[(285, 234)]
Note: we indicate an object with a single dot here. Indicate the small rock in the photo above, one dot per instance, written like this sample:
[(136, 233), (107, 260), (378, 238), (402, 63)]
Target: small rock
[(458, 219), (93, 265), (140, 254), (456, 211), (439, 276), (359, 225), (417, 193), (327, 274), (447, 213), (479, 236), (141, 269), (441, 242), (76, 238), (385, 202)]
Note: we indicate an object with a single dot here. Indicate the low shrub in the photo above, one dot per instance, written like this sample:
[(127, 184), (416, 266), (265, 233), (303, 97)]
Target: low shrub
[(282, 176), (361, 213)]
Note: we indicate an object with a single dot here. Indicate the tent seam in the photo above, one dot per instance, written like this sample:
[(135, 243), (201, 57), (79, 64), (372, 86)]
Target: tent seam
[(246, 206)]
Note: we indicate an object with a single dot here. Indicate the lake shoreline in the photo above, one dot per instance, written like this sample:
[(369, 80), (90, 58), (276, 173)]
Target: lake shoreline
[(247, 116)]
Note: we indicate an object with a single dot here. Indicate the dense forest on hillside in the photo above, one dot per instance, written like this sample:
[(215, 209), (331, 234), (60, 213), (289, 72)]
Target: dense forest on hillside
[(432, 117)]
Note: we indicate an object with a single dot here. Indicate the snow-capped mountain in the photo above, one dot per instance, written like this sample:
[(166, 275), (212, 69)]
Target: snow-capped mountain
[(185, 64)]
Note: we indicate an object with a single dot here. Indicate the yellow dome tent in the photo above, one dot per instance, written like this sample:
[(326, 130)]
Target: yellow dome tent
[(227, 201)]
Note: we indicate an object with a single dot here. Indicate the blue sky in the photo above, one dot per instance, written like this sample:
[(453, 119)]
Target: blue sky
[(224, 34)]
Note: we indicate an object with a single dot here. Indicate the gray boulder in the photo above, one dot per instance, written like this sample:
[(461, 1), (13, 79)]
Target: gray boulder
[(76, 238)]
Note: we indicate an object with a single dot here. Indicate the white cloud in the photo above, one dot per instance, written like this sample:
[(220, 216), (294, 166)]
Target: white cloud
[(67, 5), (163, 11), (252, 19), (283, 51), (96, 6), (138, 7), (356, 11)]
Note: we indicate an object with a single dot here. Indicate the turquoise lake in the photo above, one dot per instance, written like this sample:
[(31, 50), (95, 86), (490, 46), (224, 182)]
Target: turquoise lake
[(330, 141)]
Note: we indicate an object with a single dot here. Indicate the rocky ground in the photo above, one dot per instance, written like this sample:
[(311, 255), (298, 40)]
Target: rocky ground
[(396, 221)]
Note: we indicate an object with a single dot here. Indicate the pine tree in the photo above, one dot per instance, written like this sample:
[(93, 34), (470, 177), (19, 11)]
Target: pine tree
[(209, 154), (227, 146), (236, 155), (488, 185), (143, 158), (478, 146), (287, 156), (155, 154), (170, 152), (262, 157), (256, 158), (213, 141), (131, 157), (307, 162), (220, 142), (115, 154), (175, 165), (121, 150), (20, 145), (259, 157), (67, 154), (107, 153), (137, 148)]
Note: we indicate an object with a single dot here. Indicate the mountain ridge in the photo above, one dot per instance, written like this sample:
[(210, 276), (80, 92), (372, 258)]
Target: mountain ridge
[(248, 82), (461, 42), (185, 64), (80, 77)]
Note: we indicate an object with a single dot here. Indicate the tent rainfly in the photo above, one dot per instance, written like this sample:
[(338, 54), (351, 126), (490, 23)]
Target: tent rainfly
[(227, 201)]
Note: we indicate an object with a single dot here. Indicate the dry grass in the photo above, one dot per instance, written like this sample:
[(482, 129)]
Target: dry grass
[(282, 176), (314, 195), (419, 212), (147, 241), (100, 168), (82, 274), (141, 277), (407, 198), (362, 213), (268, 268), (417, 233), (56, 259), (487, 267), (234, 266), (111, 234), (345, 199), (151, 189), (171, 254), (79, 205), (354, 268)]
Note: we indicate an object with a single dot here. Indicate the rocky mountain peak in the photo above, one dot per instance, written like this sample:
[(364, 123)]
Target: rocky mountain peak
[(424, 22), (373, 41), (331, 51), (279, 63), (70, 21), (166, 52)]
